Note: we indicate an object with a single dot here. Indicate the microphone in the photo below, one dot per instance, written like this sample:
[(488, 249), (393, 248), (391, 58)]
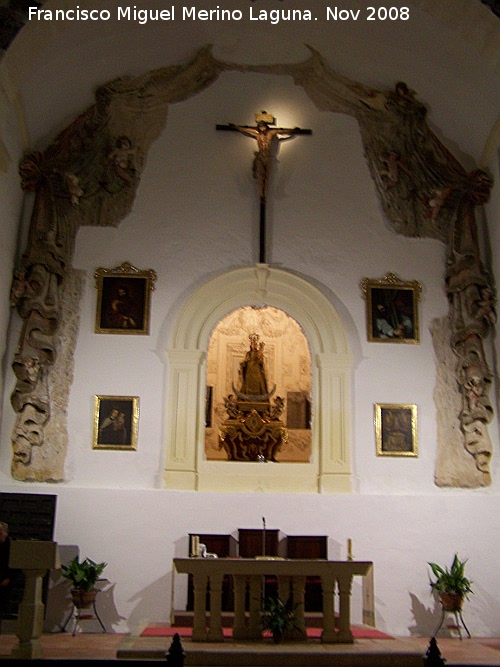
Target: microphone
[(263, 535)]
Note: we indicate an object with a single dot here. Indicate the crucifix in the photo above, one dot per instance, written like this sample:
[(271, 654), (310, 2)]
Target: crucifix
[(268, 138)]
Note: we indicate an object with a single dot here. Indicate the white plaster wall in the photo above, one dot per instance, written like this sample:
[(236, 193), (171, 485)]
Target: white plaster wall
[(138, 532), (191, 220), (195, 216)]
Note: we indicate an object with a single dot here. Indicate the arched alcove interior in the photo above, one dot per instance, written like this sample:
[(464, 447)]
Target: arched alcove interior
[(186, 467), (287, 367)]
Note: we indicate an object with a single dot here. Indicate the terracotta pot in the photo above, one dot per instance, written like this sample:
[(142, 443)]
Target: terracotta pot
[(83, 599), (451, 601)]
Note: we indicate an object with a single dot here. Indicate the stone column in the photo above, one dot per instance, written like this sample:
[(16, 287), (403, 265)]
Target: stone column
[(239, 626), (200, 603), (345, 585), (215, 634), (328, 585), (255, 595)]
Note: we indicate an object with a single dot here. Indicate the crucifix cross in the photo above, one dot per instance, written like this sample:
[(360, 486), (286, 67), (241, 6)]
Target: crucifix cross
[(268, 138)]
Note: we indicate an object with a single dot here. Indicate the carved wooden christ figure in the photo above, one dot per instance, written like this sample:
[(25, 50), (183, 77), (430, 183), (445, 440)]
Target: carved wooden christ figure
[(268, 139)]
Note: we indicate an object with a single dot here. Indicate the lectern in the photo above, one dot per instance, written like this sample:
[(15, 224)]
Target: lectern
[(34, 558)]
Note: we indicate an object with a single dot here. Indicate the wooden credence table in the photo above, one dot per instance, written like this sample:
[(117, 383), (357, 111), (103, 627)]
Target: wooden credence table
[(336, 577)]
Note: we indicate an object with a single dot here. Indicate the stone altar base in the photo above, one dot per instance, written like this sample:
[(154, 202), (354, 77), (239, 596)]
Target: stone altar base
[(363, 653)]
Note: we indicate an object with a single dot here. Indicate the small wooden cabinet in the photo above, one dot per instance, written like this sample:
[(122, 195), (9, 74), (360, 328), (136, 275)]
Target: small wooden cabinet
[(307, 546), (315, 547), (253, 542), (224, 546)]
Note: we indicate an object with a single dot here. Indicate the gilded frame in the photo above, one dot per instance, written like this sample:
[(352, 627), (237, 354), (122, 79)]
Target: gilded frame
[(123, 300), (116, 421), (392, 309), (396, 429)]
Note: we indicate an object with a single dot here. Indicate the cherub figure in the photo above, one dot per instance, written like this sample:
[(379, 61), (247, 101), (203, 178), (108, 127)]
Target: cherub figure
[(393, 164), (436, 202), (486, 306), (278, 407), (18, 287), (231, 406), (123, 157), (474, 386), (72, 183)]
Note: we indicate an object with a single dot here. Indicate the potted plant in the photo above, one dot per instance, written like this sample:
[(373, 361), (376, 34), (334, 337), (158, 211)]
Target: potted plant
[(451, 584), (279, 617), (83, 577)]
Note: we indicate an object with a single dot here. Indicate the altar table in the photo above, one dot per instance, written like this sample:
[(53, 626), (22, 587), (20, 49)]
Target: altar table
[(336, 577)]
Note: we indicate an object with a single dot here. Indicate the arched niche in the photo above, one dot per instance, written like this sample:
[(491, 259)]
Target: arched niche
[(329, 470), (287, 366)]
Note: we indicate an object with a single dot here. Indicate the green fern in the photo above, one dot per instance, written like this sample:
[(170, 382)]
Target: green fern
[(451, 580), (279, 617), (84, 575)]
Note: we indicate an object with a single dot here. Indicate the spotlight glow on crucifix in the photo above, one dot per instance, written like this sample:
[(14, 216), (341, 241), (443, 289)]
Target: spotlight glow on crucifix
[(268, 138)]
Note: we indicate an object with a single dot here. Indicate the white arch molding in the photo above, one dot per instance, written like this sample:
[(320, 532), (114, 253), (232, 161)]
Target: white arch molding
[(329, 470)]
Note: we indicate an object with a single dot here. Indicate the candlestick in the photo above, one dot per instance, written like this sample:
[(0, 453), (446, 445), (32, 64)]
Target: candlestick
[(195, 541), (349, 549)]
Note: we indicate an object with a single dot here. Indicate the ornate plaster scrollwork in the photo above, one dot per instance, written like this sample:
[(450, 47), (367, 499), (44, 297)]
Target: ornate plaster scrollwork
[(88, 176), (425, 191)]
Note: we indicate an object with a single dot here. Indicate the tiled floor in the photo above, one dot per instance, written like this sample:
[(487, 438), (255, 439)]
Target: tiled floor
[(473, 651)]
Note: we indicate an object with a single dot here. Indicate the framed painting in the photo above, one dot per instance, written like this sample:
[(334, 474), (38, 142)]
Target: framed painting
[(391, 309), (116, 420), (396, 429), (123, 300)]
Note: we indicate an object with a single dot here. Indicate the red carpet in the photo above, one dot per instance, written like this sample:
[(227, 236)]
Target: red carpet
[(359, 632)]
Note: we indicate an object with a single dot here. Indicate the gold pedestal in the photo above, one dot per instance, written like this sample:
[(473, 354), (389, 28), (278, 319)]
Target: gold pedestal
[(252, 434)]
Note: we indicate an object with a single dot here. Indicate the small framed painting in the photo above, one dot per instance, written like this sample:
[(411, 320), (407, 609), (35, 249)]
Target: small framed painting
[(123, 299), (396, 429), (391, 309), (116, 420)]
